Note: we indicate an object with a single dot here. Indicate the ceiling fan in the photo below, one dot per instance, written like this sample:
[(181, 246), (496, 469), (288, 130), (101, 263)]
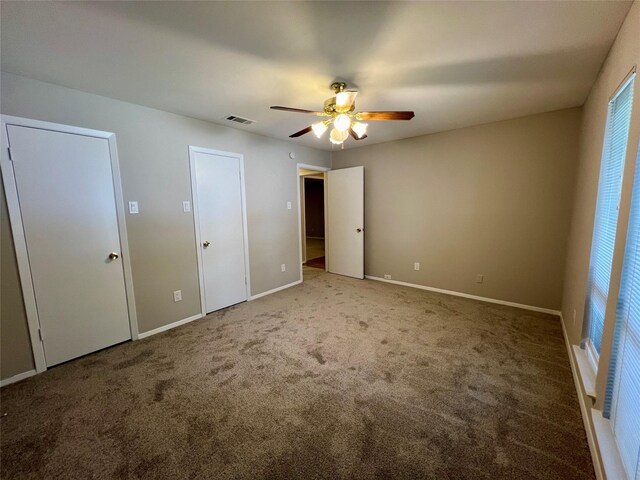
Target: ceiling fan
[(340, 111)]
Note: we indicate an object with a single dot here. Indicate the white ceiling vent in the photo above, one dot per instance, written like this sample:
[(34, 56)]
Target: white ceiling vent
[(243, 121)]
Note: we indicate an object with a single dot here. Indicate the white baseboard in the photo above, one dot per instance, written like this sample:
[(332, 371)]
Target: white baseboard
[(466, 295), (269, 292), (584, 409), (17, 378), (164, 328)]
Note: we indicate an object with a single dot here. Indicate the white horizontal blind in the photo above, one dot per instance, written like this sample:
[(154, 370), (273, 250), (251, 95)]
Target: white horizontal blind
[(606, 220), (624, 391), (622, 400)]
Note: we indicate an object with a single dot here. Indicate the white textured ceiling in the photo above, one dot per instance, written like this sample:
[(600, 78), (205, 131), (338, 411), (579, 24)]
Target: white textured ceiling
[(454, 63)]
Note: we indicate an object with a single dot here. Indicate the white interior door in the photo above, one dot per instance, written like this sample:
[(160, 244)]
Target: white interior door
[(67, 207), (345, 212), (220, 219)]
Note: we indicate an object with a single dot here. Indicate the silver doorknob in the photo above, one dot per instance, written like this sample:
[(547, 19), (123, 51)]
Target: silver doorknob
[(206, 244), (358, 230), (113, 256)]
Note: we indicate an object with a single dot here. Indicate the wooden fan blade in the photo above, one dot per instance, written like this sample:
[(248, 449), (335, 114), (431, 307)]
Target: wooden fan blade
[(298, 110), (301, 132), (355, 135), (385, 115), (344, 101)]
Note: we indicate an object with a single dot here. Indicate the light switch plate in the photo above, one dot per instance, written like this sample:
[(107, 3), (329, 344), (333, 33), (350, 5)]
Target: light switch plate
[(133, 207), (186, 206)]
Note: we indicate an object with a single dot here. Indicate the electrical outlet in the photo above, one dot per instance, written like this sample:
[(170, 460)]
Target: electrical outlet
[(479, 278), (186, 206), (133, 207), (177, 295), (283, 268), (416, 266), (387, 276), (288, 205)]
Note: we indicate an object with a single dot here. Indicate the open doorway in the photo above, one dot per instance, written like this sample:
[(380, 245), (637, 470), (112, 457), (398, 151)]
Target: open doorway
[(313, 223), (314, 220)]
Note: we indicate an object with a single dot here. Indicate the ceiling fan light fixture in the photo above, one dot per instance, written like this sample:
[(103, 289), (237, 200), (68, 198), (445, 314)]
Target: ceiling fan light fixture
[(337, 137), (340, 110), (342, 123), (319, 129), (360, 128)]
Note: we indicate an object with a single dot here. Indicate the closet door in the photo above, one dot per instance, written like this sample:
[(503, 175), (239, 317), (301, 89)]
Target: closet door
[(221, 229), (67, 208)]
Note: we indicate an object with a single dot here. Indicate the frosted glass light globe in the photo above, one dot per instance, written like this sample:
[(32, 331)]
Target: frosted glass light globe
[(319, 129), (342, 122), (360, 129), (337, 137)]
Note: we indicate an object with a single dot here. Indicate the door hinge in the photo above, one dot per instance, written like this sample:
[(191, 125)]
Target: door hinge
[(40, 335)]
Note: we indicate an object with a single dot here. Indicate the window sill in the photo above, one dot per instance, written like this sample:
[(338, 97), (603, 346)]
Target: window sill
[(611, 461), (587, 373)]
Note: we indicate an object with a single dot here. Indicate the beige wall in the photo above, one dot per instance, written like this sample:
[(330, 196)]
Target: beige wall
[(624, 54), (492, 199), (153, 152)]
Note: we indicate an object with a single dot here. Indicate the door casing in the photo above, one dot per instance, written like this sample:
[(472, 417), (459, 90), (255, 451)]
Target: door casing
[(196, 212), (19, 239)]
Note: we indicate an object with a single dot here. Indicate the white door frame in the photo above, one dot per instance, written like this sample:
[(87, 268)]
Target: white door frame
[(196, 218), (326, 232), (17, 229)]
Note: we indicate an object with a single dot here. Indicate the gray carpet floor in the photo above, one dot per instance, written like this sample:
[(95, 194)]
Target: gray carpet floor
[(333, 379)]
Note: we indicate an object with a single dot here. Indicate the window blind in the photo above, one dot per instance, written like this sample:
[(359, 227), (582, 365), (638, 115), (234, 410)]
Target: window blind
[(606, 220), (622, 400)]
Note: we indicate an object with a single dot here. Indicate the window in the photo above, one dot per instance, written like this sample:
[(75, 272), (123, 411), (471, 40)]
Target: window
[(622, 400), (606, 220)]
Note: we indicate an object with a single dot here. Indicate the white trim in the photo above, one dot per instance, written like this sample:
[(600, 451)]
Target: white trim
[(612, 463), (15, 218), (17, 378), (245, 228), (326, 234), (586, 414), (466, 295), (303, 219), (274, 290), (24, 269), (587, 373), (164, 328), (124, 238), (326, 221), (196, 219), (592, 355)]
